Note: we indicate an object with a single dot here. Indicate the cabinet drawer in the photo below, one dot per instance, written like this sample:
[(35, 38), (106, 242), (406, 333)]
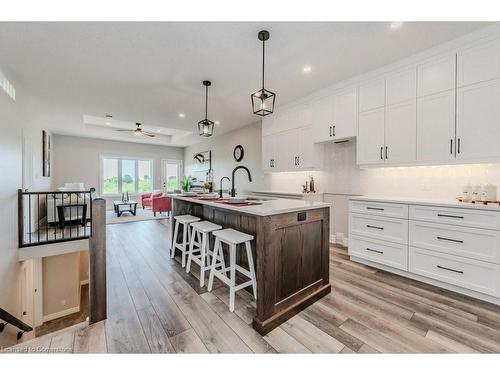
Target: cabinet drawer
[(381, 228), (467, 273), (480, 244), (380, 209), (388, 253), (457, 216)]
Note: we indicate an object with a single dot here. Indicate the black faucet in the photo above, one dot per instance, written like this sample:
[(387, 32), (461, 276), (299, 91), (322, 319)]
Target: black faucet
[(222, 179), (233, 190)]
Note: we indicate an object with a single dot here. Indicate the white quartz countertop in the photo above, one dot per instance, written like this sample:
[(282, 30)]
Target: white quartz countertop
[(278, 192), (268, 207), (426, 202)]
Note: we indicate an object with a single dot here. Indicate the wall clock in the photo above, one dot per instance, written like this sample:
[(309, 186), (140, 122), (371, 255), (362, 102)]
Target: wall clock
[(238, 153)]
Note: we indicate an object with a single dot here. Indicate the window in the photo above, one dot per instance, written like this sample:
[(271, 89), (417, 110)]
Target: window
[(171, 172), (125, 175)]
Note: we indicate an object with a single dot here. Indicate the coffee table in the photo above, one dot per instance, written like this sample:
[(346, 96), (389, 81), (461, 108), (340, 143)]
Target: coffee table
[(132, 207)]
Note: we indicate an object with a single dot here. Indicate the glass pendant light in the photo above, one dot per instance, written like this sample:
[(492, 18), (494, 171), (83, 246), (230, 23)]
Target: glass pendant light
[(205, 126), (263, 100)]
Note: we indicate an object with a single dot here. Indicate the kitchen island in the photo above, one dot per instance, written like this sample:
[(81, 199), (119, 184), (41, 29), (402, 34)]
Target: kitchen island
[(290, 250)]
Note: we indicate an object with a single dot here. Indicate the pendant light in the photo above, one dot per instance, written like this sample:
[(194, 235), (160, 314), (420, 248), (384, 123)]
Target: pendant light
[(263, 100), (205, 126)]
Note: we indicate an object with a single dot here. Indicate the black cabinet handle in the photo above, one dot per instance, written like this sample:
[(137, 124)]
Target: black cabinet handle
[(451, 146), (381, 151), (459, 145), (333, 130), (449, 239), (330, 131), (386, 151), (453, 216), (374, 251), (375, 208), (449, 269), (298, 160), (374, 227)]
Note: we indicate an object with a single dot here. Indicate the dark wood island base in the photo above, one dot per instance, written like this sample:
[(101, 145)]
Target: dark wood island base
[(291, 252)]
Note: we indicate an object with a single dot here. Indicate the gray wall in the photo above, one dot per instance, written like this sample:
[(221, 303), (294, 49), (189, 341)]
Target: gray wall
[(78, 159), (222, 157)]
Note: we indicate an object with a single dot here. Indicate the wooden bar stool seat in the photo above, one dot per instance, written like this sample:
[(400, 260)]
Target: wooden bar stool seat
[(183, 246), (232, 238), (201, 254)]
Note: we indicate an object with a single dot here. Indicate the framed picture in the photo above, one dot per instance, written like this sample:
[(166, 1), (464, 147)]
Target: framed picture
[(46, 148)]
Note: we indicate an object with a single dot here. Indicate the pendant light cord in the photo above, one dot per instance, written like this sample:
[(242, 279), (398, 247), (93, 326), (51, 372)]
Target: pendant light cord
[(206, 102), (263, 61)]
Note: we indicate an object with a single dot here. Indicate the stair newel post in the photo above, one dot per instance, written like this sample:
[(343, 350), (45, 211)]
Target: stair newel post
[(97, 262)]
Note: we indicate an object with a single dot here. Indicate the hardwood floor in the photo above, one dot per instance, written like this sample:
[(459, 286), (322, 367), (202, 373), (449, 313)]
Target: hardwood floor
[(154, 306)]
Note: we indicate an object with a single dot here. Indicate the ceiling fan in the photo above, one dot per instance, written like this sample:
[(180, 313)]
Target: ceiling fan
[(137, 131)]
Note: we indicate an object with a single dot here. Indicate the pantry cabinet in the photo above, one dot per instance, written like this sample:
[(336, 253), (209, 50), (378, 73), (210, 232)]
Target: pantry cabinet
[(335, 116)]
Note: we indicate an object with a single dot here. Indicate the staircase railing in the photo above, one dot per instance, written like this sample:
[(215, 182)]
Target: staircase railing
[(12, 320), (53, 216)]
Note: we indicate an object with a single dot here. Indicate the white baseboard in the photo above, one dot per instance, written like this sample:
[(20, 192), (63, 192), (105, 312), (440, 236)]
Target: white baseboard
[(60, 314)]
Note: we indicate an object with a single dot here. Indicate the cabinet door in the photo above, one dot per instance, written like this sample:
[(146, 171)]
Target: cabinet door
[(401, 86), (371, 95), (345, 110), (268, 125), (268, 147), (287, 149), (478, 63), (436, 75), (436, 127), (322, 119), (478, 121), (370, 141), (401, 132), (307, 156)]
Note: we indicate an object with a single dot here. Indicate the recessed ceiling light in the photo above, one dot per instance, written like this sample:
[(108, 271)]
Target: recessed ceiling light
[(182, 115), (158, 131), (217, 122), (307, 69), (108, 123), (396, 25)]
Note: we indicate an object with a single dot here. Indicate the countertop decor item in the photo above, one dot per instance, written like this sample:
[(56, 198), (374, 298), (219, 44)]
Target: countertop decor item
[(263, 100), (205, 126), (238, 153)]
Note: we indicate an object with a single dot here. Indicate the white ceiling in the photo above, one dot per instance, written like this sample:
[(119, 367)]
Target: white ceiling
[(149, 72)]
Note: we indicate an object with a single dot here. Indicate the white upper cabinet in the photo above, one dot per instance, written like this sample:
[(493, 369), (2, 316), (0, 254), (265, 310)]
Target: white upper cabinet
[(436, 75), (478, 63), (335, 116), (269, 162), (401, 132), (286, 119), (436, 127), (310, 154), (267, 125), (370, 142), (371, 95), (478, 121), (401, 86)]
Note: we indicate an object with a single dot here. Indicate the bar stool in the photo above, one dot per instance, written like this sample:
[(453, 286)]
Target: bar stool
[(201, 254), (185, 220), (232, 238)]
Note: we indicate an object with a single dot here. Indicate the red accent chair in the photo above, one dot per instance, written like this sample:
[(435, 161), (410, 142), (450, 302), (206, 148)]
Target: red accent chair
[(157, 202), (147, 199)]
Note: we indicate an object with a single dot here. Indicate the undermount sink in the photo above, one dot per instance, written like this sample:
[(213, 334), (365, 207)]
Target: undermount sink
[(256, 198)]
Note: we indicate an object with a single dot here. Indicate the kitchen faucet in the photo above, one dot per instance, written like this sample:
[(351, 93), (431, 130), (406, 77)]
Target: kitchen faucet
[(222, 179), (233, 190)]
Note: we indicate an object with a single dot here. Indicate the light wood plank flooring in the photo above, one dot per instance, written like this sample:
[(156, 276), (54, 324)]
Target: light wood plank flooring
[(154, 306)]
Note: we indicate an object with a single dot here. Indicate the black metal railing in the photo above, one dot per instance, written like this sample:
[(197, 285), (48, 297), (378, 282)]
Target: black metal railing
[(54, 216), (12, 320)]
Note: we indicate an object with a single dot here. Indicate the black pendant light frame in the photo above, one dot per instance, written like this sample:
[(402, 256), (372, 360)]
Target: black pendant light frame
[(205, 126), (263, 96)]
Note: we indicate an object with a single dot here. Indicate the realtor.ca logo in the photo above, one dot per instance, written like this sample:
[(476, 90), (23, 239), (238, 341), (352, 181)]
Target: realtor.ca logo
[(7, 86)]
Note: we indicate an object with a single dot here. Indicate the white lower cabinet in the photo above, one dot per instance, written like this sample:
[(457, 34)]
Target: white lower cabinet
[(457, 248)]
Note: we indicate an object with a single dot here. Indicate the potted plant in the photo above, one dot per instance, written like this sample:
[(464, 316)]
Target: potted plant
[(186, 183)]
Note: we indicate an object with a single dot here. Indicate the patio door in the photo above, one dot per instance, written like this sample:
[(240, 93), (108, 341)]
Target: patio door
[(171, 174)]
